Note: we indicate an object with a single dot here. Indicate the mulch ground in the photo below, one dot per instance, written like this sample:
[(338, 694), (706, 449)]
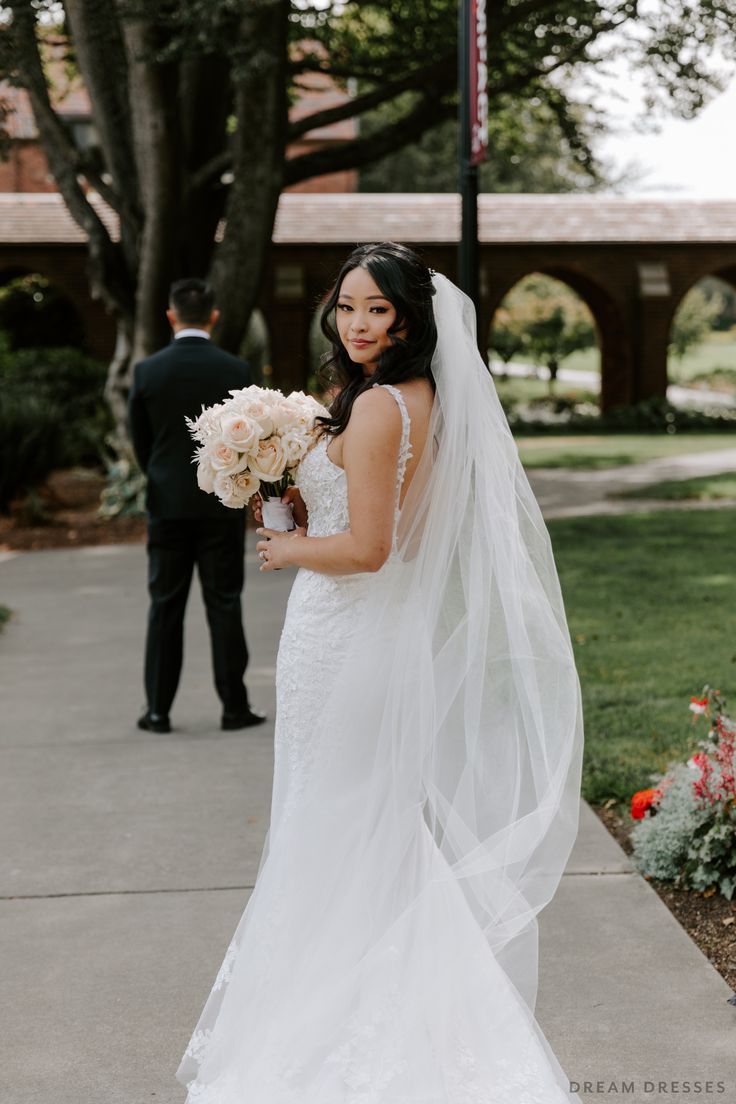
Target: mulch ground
[(709, 920), (63, 514), (69, 505)]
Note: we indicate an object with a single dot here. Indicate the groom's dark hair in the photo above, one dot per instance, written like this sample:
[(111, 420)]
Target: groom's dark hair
[(192, 300)]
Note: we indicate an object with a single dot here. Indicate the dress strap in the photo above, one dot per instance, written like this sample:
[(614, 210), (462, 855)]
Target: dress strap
[(405, 450)]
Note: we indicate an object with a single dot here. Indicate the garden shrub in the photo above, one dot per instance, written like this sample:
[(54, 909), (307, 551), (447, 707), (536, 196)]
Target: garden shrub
[(687, 824), (32, 444), (661, 841), (68, 381), (124, 494), (655, 414)]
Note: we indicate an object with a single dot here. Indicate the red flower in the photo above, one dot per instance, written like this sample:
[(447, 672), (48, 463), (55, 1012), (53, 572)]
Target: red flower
[(643, 800)]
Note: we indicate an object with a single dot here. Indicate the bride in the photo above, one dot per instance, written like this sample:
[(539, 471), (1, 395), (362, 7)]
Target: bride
[(428, 740)]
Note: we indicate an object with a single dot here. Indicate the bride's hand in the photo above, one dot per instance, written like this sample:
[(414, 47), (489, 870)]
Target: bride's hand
[(274, 547), (292, 495), (298, 505)]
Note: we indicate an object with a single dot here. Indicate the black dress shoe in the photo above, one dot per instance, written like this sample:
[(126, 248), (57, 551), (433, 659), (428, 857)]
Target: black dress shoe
[(249, 717), (154, 722)]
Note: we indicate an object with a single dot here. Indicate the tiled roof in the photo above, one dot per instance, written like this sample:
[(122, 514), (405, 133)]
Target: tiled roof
[(41, 217), (313, 218), (503, 218)]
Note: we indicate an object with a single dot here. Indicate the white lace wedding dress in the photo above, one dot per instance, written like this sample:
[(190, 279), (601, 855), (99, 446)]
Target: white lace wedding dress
[(372, 983)]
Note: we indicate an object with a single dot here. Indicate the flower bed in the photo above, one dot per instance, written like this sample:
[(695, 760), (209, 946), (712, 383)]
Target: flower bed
[(686, 824)]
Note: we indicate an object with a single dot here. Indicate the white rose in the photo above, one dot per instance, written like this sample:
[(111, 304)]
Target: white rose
[(295, 444), (287, 415), (250, 401), (235, 490), (240, 432), (225, 458), (244, 395), (261, 413), (269, 462), (205, 475), (307, 404), (271, 396)]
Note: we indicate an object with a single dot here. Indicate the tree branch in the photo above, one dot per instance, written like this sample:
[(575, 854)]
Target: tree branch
[(100, 50), (361, 151), (211, 171), (109, 276), (442, 71)]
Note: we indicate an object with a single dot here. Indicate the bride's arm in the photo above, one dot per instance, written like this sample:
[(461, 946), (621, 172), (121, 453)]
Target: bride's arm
[(370, 457)]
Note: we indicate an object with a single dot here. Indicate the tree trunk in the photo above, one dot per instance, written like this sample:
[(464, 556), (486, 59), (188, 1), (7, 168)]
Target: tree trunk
[(117, 387), (153, 91), (205, 102), (259, 144)]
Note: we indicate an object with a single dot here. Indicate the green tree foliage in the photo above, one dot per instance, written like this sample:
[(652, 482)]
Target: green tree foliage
[(68, 388), (544, 320), (190, 108), (715, 288), (528, 152), (694, 319)]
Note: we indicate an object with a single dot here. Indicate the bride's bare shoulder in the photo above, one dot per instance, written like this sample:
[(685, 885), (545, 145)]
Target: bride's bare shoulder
[(375, 403), (419, 397)]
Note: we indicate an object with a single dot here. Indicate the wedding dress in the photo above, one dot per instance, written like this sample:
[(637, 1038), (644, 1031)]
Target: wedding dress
[(387, 954)]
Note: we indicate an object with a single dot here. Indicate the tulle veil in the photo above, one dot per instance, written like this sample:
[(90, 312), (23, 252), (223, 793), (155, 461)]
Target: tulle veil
[(389, 949)]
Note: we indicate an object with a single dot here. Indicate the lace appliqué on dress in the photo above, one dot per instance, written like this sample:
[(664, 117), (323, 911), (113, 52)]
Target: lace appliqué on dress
[(321, 616), (405, 452)]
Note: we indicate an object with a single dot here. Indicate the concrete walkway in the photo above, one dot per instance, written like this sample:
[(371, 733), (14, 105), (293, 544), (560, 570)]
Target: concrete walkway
[(696, 398), (564, 493), (128, 858)]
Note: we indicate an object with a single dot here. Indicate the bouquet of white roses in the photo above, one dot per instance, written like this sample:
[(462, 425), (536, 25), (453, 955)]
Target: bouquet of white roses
[(253, 442)]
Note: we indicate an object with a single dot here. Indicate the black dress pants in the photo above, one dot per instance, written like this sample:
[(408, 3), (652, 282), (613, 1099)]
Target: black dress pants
[(217, 547)]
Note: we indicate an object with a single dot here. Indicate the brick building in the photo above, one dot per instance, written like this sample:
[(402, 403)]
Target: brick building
[(630, 260), (26, 169)]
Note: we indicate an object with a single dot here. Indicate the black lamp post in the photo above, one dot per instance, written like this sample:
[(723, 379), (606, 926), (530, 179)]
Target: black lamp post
[(473, 138)]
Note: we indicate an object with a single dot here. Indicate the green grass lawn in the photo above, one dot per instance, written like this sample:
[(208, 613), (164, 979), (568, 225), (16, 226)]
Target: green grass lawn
[(524, 389), (717, 353), (588, 452), (651, 603), (705, 488), (584, 360)]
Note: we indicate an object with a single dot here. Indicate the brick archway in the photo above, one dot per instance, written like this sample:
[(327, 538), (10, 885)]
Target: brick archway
[(631, 260), (73, 312), (615, 353), (66, 269)]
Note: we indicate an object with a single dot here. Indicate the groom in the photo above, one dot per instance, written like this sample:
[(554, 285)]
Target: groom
[(185, 525)]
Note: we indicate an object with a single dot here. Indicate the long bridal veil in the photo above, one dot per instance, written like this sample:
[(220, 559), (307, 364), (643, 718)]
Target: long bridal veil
[(389, 949)]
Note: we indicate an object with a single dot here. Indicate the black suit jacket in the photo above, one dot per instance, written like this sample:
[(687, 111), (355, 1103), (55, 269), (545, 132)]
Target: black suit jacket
[(176, 382)]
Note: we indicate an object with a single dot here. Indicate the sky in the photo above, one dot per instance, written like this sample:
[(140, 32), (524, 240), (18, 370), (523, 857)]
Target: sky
[(694, 158)]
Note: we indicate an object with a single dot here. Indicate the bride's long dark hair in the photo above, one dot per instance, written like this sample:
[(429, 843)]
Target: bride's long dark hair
[(406, 282)]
